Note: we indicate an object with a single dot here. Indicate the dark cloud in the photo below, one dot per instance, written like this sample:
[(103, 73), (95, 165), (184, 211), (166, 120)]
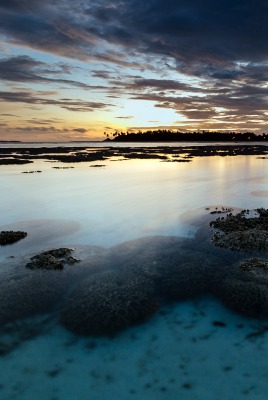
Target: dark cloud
[(206, 31), (126, 117), (188, 30), (160, 84), (9, 115), (27, 70), (80, 130), (103, 74), (69, 104), (221, 46)]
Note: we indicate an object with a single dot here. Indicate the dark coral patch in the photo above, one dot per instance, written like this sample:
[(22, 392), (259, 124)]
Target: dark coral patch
[(106, 303), (247, 298)]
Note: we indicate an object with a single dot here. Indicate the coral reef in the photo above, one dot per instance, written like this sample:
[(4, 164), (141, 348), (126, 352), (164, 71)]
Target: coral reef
[(106, 303), (25, 293), (242, 232), (190, 278), (252, 263), (245, 297)]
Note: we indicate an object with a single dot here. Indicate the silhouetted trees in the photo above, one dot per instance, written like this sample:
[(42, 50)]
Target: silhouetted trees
[(165, 135)]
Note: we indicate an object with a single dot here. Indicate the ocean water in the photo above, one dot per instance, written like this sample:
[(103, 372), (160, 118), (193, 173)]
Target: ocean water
[(190, 349)]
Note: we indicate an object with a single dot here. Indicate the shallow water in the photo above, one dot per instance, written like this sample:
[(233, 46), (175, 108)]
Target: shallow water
[(180, 352), (123, 200)]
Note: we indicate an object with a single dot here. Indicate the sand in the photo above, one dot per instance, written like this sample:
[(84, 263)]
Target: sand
[(195, 350)]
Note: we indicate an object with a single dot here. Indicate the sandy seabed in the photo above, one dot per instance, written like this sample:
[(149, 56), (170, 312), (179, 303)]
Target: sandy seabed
[(193, 350)]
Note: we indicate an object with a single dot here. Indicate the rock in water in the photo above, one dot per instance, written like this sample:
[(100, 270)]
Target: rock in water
[(10, 237), (52, 259)]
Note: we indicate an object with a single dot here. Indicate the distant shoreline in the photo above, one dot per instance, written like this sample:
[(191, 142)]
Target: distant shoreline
[(170, 136), (71, 154)]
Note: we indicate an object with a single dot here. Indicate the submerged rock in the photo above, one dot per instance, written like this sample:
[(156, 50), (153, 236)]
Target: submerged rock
[(176, 265), (109, 302), (194, 276), (26, 293), (245, 297), (10, 237)]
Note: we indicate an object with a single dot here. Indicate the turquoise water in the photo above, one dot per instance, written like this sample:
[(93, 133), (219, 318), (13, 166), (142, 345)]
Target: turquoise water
[(190, 349)]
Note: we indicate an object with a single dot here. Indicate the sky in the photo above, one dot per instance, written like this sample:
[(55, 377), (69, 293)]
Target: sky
[(74, 69)]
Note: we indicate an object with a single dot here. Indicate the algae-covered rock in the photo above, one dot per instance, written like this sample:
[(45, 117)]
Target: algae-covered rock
[(106, 303)]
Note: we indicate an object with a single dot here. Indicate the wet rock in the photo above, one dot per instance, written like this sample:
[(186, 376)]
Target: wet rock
[(45, 261), (10, 237), (109, 302), (52, 259)]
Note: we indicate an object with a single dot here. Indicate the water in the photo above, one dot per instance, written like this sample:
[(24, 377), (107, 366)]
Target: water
[(103, 144), (180, 352)]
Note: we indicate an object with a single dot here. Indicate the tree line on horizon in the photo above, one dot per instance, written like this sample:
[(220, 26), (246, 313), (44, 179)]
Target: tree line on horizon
[(165, 135)]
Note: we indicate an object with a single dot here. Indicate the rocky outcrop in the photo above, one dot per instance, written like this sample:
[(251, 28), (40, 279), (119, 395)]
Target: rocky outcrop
[(10, 237), (52, 259), (241, 232)]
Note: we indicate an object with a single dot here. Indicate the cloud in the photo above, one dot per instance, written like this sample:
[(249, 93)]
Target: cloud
[(126, 117), (9, 115), (80, 130), (34, 99), (206, 60), (206, 32), (25, 69)]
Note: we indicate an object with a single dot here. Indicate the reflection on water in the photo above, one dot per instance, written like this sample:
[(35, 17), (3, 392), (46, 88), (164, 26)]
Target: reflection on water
[(192, 347)]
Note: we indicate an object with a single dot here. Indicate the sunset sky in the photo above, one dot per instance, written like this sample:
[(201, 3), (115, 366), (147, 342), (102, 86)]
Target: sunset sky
[(73, 69)]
